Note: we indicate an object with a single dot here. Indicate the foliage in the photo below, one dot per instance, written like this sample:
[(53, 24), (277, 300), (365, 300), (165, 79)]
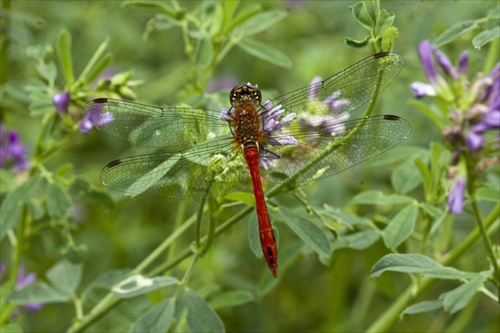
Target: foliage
[(77, 236)]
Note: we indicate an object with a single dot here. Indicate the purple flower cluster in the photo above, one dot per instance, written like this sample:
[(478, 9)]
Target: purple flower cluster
[(12, 152), (475, 110), (324, 114)]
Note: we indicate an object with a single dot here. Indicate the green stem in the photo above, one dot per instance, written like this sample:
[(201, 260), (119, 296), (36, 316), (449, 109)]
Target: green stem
[(391, 315), (487, 242)]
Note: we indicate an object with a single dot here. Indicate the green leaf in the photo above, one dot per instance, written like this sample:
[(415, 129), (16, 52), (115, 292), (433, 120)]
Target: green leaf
[(64, 53), (346, 218), (244, 14), (84, 76), (37, 210), (361, 15), (99, 67), (485, 37), (244, 197), (200, 317), (425, 175), (158, 23), (423, 307), (419, 264), (10, 211), (384, 22), (433, 211), (260, 22), (39, 52), (204, 52), (75, 254), (406, 177), (152, 6), (38, 292), (47, 71), (401, 226), (158, 318), (7, 182), (457, 299), (456, 31), (356, 44), (309, 232), (265, 52), (82, 191), (389, 39), (40, 107), (373, 197), (105, 281), (65, 276), (358, 241), (231, 299), (58, 200), (138, 285), (488, 194)]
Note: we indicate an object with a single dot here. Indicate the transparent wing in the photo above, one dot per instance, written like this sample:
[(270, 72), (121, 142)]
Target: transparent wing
[(356, 85), (170, 128), (210, 169), (332, 148)]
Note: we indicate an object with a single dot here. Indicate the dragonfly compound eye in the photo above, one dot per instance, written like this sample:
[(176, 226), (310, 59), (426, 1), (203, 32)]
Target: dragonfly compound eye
[(244, 94)]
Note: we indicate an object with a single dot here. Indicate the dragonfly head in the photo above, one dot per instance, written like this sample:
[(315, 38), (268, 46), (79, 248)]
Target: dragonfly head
[(245, 94)]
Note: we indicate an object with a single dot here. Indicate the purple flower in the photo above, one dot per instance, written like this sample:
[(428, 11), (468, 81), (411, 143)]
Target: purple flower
[(272, 125), (22, 281), (324, 114), (457, 195), (445, 63), (12, 152), (421, 89), (61, 101), (486, 117), (425, 53), (95, 117), (463, 63), (475, 136), (313, 88), (493, 91), (440, 87)]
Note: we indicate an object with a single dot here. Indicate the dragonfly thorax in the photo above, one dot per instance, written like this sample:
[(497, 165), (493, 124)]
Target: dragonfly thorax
[(244, 95)]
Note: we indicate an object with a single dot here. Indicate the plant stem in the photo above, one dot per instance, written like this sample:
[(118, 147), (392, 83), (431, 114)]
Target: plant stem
[(487, 242), (391, 315)]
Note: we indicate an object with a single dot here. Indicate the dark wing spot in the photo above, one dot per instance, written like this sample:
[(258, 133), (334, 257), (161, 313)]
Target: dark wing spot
[(100, 100), (113, 163), (391, 117), (380, 55)]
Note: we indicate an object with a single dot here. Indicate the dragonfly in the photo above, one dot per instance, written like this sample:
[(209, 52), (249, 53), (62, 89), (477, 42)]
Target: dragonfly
[(301, 136)]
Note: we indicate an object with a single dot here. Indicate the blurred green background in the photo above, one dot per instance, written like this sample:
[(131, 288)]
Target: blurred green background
[(309, 296)]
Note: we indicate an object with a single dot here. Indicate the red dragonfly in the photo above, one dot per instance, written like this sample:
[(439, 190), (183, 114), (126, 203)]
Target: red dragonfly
[(299, 137)]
